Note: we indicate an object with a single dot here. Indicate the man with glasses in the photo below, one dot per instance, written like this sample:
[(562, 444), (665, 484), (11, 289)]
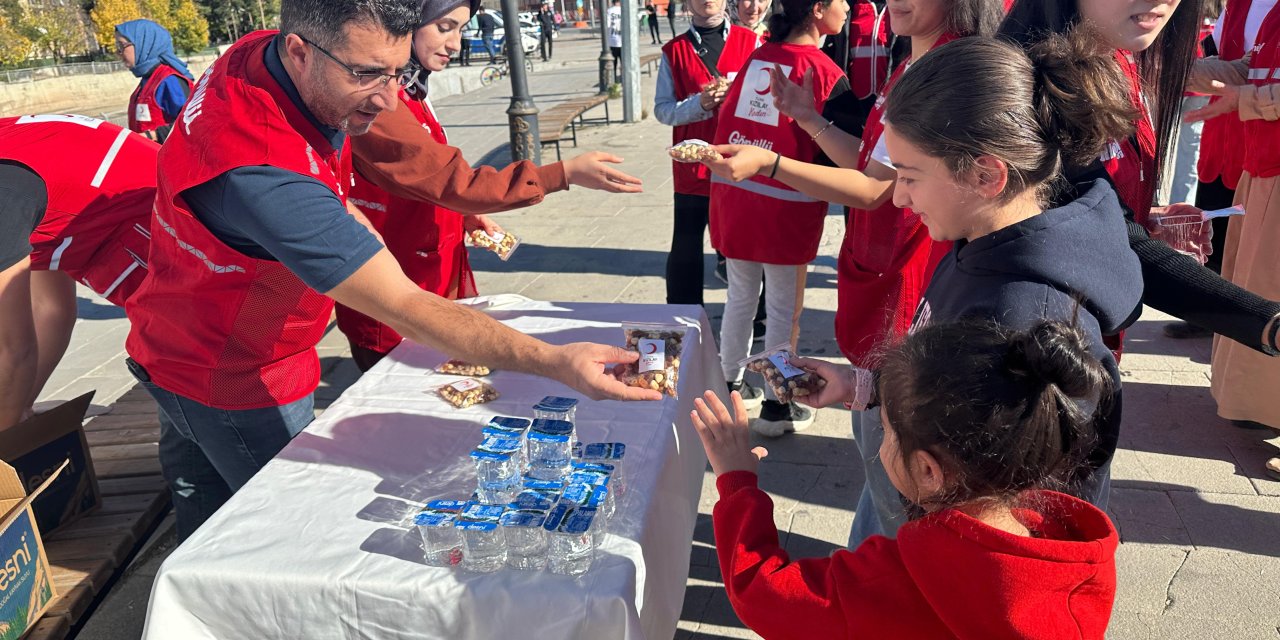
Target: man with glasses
[(253, 241)]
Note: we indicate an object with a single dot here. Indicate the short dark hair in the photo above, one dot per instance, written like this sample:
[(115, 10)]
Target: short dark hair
[(322, 21), (1002, 410)]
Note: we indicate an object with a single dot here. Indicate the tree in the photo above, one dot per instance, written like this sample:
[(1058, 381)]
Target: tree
[(57, 29), (159, 12), (107, 14), (190, 30), (14, 47)]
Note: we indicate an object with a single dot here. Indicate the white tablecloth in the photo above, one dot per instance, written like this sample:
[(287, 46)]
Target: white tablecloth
[(317, 544)]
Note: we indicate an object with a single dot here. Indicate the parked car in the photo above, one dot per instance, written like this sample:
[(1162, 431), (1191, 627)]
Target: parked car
[(528, 39)]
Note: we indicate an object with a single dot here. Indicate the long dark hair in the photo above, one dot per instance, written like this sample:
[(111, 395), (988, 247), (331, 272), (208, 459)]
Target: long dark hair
[(1059, 102), (789, 15), (1164, 66), (1003, 411)]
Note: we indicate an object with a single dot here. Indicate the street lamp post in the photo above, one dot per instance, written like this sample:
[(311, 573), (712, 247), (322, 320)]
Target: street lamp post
[(606, 75), (522, 114)]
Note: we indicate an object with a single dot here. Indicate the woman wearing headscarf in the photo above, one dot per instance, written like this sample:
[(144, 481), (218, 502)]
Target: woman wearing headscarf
[(147, 50)]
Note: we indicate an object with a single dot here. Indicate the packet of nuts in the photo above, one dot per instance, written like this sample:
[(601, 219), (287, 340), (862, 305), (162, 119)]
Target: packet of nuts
[(503, 244), (660, 346), (692, 151), (721, 83), (465, 393), (787, 382), (460, 368)]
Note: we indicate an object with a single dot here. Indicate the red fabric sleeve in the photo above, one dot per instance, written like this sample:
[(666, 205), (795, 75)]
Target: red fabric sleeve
[(400, 157), (773, 595)]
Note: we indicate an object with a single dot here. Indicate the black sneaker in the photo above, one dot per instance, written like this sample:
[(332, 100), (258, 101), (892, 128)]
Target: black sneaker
[(757, 331), (751, 396), (777, 419)]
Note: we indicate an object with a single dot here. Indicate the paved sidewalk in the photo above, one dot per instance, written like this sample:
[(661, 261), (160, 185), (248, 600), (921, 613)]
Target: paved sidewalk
[(1198, 516)]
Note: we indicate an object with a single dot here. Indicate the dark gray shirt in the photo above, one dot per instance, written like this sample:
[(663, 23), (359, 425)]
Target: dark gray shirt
[(274, 214)]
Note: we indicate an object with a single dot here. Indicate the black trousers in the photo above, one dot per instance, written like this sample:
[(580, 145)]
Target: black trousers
[(545, 44), (653, 30), (1211, 196), (686, 270)]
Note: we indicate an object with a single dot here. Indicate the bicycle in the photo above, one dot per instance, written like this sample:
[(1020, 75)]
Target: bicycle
[(495, 72)]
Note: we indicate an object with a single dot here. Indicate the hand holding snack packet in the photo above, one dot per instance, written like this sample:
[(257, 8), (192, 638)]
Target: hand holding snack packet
[(786, 381), (693, 150), (503, 244), (660, 347)]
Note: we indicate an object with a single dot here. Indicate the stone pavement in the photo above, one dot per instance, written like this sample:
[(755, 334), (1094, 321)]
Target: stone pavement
[(1198, 516)]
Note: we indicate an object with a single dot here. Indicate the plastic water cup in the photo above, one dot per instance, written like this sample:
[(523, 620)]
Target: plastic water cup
[(526, 539), (484, 548)]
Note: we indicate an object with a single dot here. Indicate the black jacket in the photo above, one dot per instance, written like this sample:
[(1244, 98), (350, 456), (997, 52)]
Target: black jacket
[(1068, 263)]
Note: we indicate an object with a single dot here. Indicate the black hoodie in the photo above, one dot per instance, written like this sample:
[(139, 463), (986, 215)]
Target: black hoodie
[(1037, 269)]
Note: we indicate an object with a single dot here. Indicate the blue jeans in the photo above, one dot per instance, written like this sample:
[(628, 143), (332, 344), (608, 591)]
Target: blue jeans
[(488, 45), (207, 454), (880, 510)]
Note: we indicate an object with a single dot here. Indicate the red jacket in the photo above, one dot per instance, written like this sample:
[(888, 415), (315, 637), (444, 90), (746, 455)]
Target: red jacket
[(868, 49), (760, 219), (946, 575), (886, 260), (101, 183), (210, 323), (1221, 153), (1262, 154), (425, 238), (690, 75), (145, 114)]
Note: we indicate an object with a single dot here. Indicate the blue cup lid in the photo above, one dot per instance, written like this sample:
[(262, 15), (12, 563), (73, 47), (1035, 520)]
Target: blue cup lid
[(556, 403), (509, 424), (447, 505), (477, 525), (551, 427), (476, 511), (523, 519), (434, 519)]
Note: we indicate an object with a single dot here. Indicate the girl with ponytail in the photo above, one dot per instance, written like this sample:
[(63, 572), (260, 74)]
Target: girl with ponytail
[(979, 132), (981, 424)]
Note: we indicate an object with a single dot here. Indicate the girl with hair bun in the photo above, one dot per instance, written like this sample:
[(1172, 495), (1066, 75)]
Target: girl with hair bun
[(981, 423), (978, 132)]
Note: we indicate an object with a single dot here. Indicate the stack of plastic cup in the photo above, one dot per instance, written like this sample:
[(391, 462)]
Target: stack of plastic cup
[(498, 477), (611, 453), (506, 427), (550, 449), (526, 539), (441, 543), (597, 475), (484, 547), (558, 408), (571, 544)]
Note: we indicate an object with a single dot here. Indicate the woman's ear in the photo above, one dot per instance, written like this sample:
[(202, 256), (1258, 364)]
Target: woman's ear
[(989, 177), (926, 474)]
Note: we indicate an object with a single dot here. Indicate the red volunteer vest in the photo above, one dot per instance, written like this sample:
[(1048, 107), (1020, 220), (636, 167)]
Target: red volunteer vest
[(145, 114), (426, 239), (760, 219), (1262, 154), (868, 49), (1221, 149), (101, 183), (210, 323), (1132, 163), (690, 75), (886, 261)]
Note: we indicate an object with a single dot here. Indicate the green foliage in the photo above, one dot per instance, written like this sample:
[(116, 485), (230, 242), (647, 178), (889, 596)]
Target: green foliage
[(14, 46), (106, 14), (190, 29)]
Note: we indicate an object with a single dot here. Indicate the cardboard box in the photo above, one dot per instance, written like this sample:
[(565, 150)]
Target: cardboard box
[(26, 585), (37, 447)]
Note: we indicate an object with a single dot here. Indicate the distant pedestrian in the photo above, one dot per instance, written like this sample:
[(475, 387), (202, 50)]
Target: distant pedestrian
[(547, 21), (671, 17), (653, 22), (487, 24), (147, 50), (614, 26)]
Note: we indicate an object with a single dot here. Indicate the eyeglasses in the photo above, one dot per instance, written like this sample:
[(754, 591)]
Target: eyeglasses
[(121, 47), (370, 79)]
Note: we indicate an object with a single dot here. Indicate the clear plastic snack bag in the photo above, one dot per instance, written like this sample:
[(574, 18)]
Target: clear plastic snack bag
[(692, 151), (466, 393), (660, 347), (502, 244), (786, 381), (460, 368)]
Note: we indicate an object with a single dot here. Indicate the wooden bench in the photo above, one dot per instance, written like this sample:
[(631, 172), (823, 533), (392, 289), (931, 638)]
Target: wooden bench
[(647, 62), (88, 556), (553, 121)]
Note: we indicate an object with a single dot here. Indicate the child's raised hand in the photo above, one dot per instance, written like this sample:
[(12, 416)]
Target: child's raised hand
[(726, 438)]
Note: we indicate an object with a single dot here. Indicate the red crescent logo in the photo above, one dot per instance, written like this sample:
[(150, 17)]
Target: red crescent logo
[(765, 91), (653, 348)]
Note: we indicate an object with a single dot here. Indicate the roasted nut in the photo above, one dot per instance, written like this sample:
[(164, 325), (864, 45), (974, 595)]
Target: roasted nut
[(721, 83), (690, 151), (786, 389), (503, 244), (666, 378), (460, 368), (465, 393)]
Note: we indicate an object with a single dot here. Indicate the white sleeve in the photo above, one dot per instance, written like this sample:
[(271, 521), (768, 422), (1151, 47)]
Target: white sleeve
[(1217, 30), (881, 153)]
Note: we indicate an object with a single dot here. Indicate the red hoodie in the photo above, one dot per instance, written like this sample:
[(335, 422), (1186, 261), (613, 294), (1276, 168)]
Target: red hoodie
[(946, 575)]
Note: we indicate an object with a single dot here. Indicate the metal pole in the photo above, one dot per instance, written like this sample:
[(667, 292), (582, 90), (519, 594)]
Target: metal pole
[(606, 70), (630, 62), (522, 114)]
